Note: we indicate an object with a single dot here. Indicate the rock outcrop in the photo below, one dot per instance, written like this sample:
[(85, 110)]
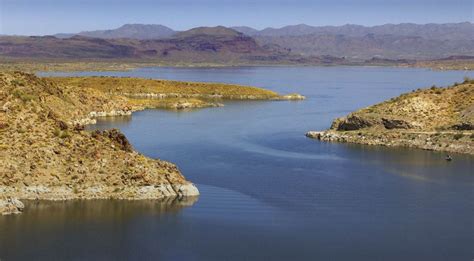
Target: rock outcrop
[(440, 119), (353, 122)]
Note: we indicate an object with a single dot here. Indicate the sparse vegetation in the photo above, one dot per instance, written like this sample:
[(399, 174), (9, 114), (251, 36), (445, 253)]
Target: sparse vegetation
[(22, 95), (433, 118), (133, 86)]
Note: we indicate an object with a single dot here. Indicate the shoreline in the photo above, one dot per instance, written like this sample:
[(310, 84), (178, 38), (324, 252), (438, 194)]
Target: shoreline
[(414, 140), (437, 119), (66, 162), (93, 65)]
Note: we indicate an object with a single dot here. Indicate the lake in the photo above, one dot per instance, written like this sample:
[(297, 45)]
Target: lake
[(267, 191)]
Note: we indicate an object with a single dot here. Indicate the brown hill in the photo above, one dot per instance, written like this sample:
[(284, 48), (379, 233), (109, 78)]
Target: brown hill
[(46, 154), (436, 119)]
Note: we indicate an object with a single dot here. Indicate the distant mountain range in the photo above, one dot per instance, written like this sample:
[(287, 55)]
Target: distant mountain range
[(394, 41), (449, 31), (132, 31), (199, 45), (295, 44)]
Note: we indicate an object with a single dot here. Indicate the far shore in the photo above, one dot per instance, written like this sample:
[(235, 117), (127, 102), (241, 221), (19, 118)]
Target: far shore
[(44, 65)]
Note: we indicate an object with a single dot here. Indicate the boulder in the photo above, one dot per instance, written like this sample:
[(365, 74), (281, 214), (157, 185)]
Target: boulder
[(463, 126), (116, 136), (353, 122), (395, 124), (11, 206)]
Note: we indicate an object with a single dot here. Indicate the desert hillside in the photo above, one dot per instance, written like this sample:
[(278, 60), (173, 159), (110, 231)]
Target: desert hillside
[(434, 118), (45, 156)]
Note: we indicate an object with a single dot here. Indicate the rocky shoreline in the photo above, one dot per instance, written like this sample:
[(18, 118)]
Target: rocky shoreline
[(438, 119), (12, 204), (427, 141), (46, 153)]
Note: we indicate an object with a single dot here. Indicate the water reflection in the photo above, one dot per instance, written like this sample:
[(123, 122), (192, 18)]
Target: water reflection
[(77, 226), (57, 212)]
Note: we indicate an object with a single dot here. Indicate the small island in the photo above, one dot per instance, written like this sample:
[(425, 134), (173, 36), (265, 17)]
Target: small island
[(439, 119), (46, 153)]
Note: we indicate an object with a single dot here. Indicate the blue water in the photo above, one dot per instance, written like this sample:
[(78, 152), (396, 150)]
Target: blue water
[(268, 192)]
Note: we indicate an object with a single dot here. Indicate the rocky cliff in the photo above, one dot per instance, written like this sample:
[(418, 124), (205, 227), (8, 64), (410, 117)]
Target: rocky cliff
[(440, 119)]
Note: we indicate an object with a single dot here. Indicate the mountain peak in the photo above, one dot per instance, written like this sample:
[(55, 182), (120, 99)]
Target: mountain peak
[(214, 31), (134, 31)]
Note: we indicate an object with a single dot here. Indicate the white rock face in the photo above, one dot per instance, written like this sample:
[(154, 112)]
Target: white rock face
[(94, 114), (188, 190), (11, 206), (314, 134), (294, 96)]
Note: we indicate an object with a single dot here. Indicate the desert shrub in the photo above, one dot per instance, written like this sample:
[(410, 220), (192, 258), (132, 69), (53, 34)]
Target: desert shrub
[(64, 134), (17, 93), (61, 134), (18, 83), (57, 132), (458, 136)]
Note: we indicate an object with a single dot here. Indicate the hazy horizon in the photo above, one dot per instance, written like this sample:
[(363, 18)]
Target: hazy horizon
[(43, 17)]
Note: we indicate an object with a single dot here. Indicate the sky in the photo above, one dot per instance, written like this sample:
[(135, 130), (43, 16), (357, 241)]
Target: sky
[(41, 17)]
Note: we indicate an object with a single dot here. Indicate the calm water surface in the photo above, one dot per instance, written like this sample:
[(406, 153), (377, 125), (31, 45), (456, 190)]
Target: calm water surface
[(267, 192)]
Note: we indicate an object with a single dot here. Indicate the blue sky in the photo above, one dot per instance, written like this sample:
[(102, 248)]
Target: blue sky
[(38, 17)]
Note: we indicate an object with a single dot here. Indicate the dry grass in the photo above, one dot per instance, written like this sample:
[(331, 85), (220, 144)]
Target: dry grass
[(432, 108), (144, 86), (447, 65)]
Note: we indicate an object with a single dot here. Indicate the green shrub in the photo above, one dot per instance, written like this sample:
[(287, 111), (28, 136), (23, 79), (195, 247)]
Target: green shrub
[(17, 93), (18, 83), (61, 134), (64, 134), (57, 132)]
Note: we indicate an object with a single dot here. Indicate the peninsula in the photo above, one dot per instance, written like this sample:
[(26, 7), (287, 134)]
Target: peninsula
[(47, 154), (439, 119)]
